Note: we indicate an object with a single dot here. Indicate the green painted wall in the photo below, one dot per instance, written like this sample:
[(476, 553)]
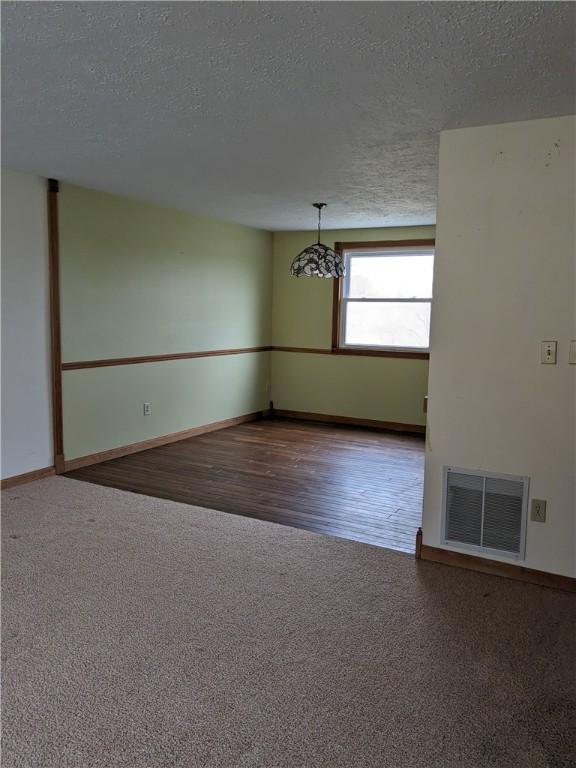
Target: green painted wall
[(103, 406), (137, 279), (387, 389)]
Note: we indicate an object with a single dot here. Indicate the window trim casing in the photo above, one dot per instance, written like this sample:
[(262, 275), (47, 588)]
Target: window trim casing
[(337, 346)]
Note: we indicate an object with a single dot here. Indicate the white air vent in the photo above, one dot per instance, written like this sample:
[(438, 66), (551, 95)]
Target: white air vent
[(485, 512)]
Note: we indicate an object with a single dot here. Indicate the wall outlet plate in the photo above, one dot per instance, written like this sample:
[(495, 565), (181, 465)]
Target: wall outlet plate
[(538, 511), (548, 352), (147, 409)]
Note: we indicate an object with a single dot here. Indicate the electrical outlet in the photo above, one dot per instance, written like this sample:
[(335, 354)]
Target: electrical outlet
[(147, 409), (538, 511), (548, 352)]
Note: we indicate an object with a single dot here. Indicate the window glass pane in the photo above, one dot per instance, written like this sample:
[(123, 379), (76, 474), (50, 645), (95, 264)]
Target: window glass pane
[(390, 277), (388, 324)]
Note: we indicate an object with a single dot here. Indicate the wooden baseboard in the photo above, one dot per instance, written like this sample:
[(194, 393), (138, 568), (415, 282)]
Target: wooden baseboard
[(493, 567), (384, 426), (174, 437), (27, 477)]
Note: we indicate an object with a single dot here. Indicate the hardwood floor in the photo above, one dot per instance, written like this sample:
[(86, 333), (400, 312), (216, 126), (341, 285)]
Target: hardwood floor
[(343, 481)]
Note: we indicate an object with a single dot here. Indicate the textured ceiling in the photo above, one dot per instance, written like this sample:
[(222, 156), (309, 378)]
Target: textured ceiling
[(252, 111)]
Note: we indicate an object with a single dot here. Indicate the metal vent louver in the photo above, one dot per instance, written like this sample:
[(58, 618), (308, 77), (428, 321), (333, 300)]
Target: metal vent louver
[(485, 511)]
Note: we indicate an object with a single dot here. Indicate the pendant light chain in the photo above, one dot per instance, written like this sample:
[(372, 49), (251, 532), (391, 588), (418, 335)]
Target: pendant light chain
[(319, 206)]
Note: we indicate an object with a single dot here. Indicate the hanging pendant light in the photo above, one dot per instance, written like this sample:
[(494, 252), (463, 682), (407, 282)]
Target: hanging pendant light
[(318, 260)]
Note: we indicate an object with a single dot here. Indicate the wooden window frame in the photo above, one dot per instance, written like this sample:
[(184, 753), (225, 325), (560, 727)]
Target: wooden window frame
[(53, 189), (337, 347)]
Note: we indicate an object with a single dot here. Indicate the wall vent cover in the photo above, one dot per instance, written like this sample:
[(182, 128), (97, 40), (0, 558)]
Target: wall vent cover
[(484, 511)]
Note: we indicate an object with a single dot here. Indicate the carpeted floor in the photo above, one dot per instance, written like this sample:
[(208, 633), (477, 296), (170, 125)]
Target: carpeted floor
[(144, 633)]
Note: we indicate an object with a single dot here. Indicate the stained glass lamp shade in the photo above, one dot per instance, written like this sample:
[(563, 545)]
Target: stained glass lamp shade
[(318, 260)]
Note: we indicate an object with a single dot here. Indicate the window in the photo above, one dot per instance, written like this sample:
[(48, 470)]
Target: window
[(385, 298)]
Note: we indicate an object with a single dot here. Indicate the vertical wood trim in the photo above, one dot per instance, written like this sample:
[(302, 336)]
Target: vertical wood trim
[(55, 342), (336, 296), (418, 551)]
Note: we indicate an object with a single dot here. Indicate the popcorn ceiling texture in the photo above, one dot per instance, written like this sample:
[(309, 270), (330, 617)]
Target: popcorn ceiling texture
[(148, 634), (252, 111)]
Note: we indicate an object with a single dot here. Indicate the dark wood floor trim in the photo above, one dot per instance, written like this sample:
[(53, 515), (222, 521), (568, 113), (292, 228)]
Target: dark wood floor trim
[(494, 567), (125, 450), (350, 352), (55, 343), (80, 364), (384, 426), (27, 477)]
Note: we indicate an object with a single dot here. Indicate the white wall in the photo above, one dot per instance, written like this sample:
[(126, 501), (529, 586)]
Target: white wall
[(25, 373), (504, 281)]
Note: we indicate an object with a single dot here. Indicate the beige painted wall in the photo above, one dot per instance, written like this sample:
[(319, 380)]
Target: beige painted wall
[(26, 388), (504, 281), (386, 389), (137, 280)]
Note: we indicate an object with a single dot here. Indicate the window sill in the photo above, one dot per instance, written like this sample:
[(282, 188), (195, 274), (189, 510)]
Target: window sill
[(357, 352), (382, 352)]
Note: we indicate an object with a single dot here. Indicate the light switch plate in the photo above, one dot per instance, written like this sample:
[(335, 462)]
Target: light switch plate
[(548, 352), (538, 511), (572, 352)]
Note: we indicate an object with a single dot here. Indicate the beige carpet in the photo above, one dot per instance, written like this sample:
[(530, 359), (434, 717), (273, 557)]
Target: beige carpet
[(143, 633)]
